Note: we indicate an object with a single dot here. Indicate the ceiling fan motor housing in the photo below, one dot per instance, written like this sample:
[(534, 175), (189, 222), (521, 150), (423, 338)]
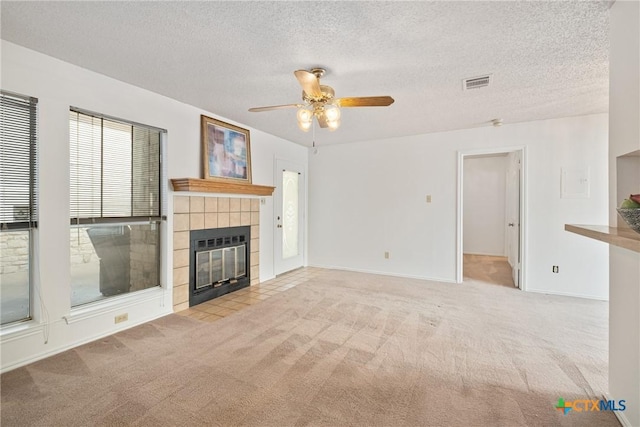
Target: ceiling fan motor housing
[(327, 94)]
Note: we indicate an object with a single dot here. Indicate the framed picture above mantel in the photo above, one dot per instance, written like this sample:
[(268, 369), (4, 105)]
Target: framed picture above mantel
[(226, 151)]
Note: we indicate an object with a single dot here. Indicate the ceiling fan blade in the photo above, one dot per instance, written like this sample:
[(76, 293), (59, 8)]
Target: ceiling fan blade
[(309, 83), (365, 101), (322, 121), (274, 107)]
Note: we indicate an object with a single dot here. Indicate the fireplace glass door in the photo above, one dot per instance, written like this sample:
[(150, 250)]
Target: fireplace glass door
[(220, 265)]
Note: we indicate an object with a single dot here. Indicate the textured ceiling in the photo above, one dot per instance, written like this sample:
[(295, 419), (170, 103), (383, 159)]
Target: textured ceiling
[(548, 59)]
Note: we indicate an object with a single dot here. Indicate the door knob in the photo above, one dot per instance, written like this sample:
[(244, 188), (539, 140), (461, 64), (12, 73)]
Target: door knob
[(511, 224), (279, 226)]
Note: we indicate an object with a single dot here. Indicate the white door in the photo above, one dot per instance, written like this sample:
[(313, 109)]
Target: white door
[(289, 217), (513, 215)]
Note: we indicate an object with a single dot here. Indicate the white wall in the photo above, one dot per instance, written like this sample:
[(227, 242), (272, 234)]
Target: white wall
[(484, 196), (367, 198), (59, 85), (624, 137)]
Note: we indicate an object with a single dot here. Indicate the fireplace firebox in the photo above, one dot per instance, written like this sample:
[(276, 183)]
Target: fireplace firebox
[(219, 262)]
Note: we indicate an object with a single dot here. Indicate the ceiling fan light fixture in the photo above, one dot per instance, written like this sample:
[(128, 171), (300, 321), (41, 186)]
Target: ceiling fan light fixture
[(304, 126), (333, 124), (320, 102), (332, 113), (304, 115), (305, 118)]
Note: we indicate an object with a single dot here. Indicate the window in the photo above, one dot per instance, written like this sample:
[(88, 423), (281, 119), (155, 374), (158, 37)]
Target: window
[(115, 205), (18, 210)]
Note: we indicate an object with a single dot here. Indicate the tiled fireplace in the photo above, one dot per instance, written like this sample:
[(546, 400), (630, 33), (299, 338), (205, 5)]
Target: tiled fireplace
[(192, 213)]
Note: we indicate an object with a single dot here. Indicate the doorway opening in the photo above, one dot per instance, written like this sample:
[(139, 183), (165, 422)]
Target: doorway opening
[(491, 216)]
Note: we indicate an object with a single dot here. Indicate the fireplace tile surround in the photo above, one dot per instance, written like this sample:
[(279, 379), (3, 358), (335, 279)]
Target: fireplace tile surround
[(202, 212)]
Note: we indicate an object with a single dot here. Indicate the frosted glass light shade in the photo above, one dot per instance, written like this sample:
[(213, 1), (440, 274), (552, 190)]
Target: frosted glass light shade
[(304, 119), (332, 113), (333, 124), (304, 126), (304, 115)]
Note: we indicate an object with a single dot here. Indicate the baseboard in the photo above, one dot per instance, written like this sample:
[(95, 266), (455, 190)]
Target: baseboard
[(566, 294), (384, 273), (484, 254), (624, 421), (74, 344), (622, 418)]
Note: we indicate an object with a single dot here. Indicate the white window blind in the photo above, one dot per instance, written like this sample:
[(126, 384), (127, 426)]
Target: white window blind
[(115, 170), (18, 153)]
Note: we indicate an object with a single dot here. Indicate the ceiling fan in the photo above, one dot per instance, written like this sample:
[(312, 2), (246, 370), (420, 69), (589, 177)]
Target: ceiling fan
[(320, 102)]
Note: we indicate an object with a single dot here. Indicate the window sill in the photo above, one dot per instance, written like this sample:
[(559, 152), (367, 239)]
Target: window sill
[(20, 330), (98, 308)]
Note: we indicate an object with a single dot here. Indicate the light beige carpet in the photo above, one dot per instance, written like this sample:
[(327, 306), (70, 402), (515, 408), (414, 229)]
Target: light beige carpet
[(341, 349)]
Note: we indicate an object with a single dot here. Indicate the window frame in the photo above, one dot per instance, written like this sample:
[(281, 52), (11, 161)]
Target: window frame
[(31, 224), (159, 219)]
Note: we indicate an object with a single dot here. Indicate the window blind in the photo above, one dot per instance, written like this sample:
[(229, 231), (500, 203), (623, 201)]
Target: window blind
[(115, 170), (18, 154)]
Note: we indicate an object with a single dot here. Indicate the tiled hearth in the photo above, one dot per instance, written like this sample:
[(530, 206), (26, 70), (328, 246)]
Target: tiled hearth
[(202, 212), (226, 305)]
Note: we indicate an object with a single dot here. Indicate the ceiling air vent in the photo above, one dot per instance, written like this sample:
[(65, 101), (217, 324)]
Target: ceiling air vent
[(476, 82)]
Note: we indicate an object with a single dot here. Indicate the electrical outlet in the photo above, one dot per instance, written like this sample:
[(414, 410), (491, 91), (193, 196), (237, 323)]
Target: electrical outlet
[(555, 269), (121, 318), (428, 198), (387, 255)]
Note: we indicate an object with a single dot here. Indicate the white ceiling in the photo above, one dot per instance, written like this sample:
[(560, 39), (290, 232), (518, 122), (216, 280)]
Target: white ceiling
[(548, 59)]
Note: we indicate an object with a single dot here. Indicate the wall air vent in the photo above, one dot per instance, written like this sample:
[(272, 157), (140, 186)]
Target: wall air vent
[(476, 82)]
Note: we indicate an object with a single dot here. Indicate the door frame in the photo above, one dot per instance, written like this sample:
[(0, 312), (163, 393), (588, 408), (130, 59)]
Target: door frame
[(523, 207), (277, 164)]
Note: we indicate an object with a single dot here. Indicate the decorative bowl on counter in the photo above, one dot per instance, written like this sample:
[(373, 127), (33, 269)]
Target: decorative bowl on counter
[(631, 217)]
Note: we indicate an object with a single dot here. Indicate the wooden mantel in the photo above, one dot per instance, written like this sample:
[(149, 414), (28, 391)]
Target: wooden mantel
[(210, 186)]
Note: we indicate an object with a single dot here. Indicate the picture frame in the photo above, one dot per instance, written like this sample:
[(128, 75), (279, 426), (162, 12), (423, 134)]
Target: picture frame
[(226, 151)]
